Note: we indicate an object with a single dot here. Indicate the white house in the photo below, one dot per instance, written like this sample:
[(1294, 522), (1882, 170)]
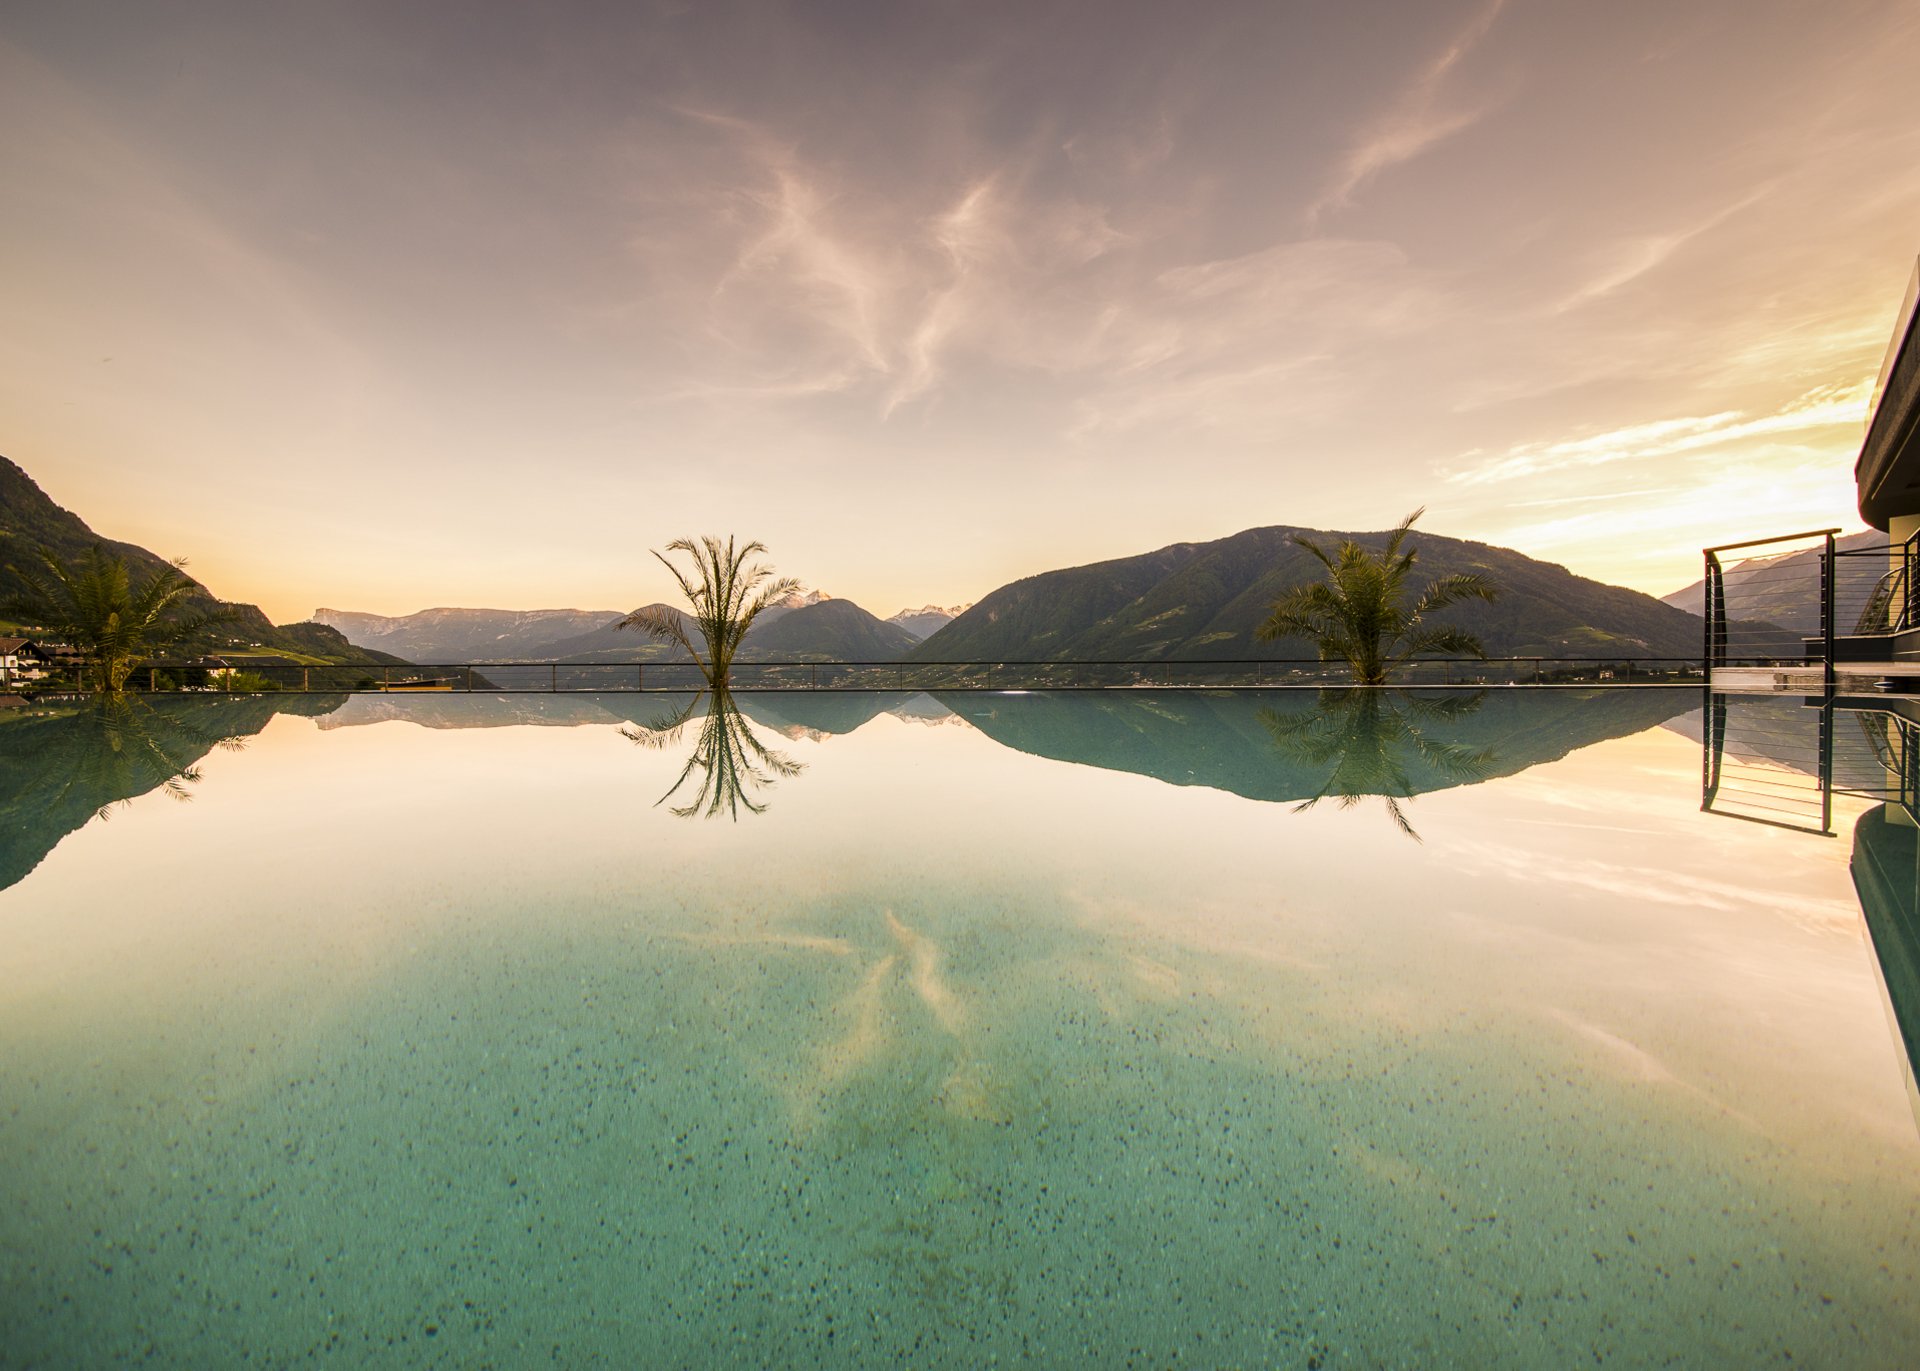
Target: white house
[(21, 660)]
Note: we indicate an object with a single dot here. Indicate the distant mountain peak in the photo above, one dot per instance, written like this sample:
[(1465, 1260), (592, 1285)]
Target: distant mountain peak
[(800, 599), (928, 620), (951, 611)]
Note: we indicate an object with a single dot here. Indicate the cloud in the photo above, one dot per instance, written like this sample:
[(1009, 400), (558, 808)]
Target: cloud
[(1422, 117), (1824, 407), (1237, 343), (965, 234), (1628, 259)]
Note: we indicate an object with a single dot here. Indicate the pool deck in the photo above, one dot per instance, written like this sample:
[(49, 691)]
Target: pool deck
[(1852, 677)]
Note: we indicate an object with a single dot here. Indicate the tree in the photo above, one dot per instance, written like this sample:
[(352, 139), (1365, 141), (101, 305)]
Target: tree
[(97, 606), (1358, 613), (727, 595)]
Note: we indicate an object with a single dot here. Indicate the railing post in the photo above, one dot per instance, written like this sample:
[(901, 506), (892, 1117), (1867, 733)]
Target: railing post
[(1713, 749), (1710, 611), (639, 675), (1907, 582), (1827, 570), (1716, 592), (386, 678), (1826, 753), (553, 678)]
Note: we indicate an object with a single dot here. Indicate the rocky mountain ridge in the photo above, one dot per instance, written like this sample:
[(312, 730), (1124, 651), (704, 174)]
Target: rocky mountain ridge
[(30, 520)]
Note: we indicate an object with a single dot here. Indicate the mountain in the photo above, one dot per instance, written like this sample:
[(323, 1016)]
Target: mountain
[(828, 631), (464, 635), (818, 629), (1784, 591), (607, 642), (928, 619), (527, 635), (1202, 601), (30, 520)]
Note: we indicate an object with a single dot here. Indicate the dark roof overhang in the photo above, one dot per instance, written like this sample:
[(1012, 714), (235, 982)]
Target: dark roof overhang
[(1888, 472)]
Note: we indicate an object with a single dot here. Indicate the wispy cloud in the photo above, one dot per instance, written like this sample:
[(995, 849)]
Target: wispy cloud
[(1426, 113), (1236, 343), (965, 235), (1833, 406), (1628, 259)]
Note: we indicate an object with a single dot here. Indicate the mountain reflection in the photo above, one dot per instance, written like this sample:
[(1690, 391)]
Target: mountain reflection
[(1233, 740), (1370, 744), (728, 764), (60, 769)]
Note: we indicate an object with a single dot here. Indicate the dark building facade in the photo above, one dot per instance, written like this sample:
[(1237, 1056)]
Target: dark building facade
[(1888, 472)]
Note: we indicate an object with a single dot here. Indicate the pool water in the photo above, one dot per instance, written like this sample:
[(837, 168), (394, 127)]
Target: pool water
[(1111, 1029)]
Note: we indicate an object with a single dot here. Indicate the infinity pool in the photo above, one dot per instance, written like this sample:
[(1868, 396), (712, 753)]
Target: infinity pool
[(1019, 1029)]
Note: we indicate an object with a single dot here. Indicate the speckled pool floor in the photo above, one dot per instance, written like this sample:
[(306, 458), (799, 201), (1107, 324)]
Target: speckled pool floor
[(416, 1047)]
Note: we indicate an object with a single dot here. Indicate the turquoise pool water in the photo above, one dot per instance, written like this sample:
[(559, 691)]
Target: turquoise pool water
[(1019, 1030)]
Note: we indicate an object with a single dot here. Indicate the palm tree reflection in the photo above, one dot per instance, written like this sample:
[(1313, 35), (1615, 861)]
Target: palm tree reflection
[(728, 760), (124, 747), (1370, 739)]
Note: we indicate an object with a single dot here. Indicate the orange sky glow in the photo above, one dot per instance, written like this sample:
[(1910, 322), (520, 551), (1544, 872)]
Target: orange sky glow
[(383, 307)]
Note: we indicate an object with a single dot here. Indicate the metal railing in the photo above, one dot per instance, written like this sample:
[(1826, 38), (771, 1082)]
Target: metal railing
[(1769, 761), (1782, 761), (650, 677), (1803, 600), (1759, 609)]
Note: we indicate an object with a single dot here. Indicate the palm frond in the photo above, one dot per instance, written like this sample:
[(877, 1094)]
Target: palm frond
[(1450, 590), (1453, 642)]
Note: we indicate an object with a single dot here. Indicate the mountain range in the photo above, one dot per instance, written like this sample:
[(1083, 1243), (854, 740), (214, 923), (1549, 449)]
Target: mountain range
[(29, 520), (812, 626), (1203, 601), (1187, 601), (463, 635)]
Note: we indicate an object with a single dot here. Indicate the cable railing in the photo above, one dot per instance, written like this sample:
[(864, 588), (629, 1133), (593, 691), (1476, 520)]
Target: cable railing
[(264, 675), (1803, 600), (1782, 761)]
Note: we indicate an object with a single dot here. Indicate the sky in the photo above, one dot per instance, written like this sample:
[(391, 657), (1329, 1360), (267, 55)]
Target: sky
[(381, 307)]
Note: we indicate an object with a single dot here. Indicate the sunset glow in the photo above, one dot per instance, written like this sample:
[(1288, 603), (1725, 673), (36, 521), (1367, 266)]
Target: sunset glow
[(383, 307)]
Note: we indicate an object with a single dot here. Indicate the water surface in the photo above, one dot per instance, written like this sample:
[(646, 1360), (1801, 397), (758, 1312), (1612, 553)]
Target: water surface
[(1042, 1029)]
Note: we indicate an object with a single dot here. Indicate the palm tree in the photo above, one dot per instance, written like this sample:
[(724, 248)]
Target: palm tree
[(727, 595), (97, 606), (1358, 614)]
